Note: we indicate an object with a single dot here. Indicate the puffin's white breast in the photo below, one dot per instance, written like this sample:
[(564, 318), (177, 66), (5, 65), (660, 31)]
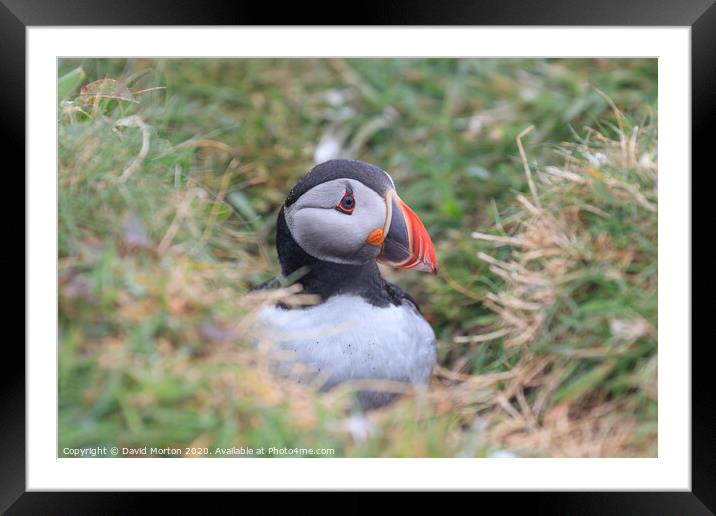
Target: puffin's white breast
[(347, 338)]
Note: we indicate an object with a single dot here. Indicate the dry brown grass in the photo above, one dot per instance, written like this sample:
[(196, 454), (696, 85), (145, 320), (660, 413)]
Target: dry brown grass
[(535, 407)]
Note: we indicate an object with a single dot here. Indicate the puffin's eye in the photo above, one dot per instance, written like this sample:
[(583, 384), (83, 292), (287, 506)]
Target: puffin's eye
[(347, 204)]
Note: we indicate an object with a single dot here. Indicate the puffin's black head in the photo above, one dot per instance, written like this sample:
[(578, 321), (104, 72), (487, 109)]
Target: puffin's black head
[(348, 212)]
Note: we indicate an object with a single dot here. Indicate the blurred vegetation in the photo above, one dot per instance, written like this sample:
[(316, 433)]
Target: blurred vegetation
[(171, 174)]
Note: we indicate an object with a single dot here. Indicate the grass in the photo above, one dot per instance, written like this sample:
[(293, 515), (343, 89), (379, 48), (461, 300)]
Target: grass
[(545, 309)]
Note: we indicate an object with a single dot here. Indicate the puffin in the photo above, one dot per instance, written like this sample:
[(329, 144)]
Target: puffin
[(338, 222)]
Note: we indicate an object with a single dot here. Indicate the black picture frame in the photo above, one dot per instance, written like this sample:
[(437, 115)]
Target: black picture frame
[(17, 15)]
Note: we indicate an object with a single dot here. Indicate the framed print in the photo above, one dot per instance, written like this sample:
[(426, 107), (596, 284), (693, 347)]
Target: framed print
[(444, 251)]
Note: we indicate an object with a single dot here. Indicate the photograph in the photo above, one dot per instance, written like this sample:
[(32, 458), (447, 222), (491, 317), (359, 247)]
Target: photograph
[(445, 249), (376, 257)]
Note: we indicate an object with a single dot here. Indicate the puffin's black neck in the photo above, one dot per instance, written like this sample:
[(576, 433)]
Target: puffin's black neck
[(324, 278)]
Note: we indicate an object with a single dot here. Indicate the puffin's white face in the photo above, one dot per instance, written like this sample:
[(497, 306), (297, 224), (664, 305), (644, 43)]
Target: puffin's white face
[(334, 221), (343, 220)]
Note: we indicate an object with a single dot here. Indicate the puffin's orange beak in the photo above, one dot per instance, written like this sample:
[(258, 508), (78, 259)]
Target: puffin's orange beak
[(406, 243)]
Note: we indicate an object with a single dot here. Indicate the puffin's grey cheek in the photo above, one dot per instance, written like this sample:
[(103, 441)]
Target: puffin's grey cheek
[(330, 235)]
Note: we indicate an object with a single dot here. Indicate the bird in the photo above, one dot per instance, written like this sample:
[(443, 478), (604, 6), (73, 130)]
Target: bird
[(337, 223)]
